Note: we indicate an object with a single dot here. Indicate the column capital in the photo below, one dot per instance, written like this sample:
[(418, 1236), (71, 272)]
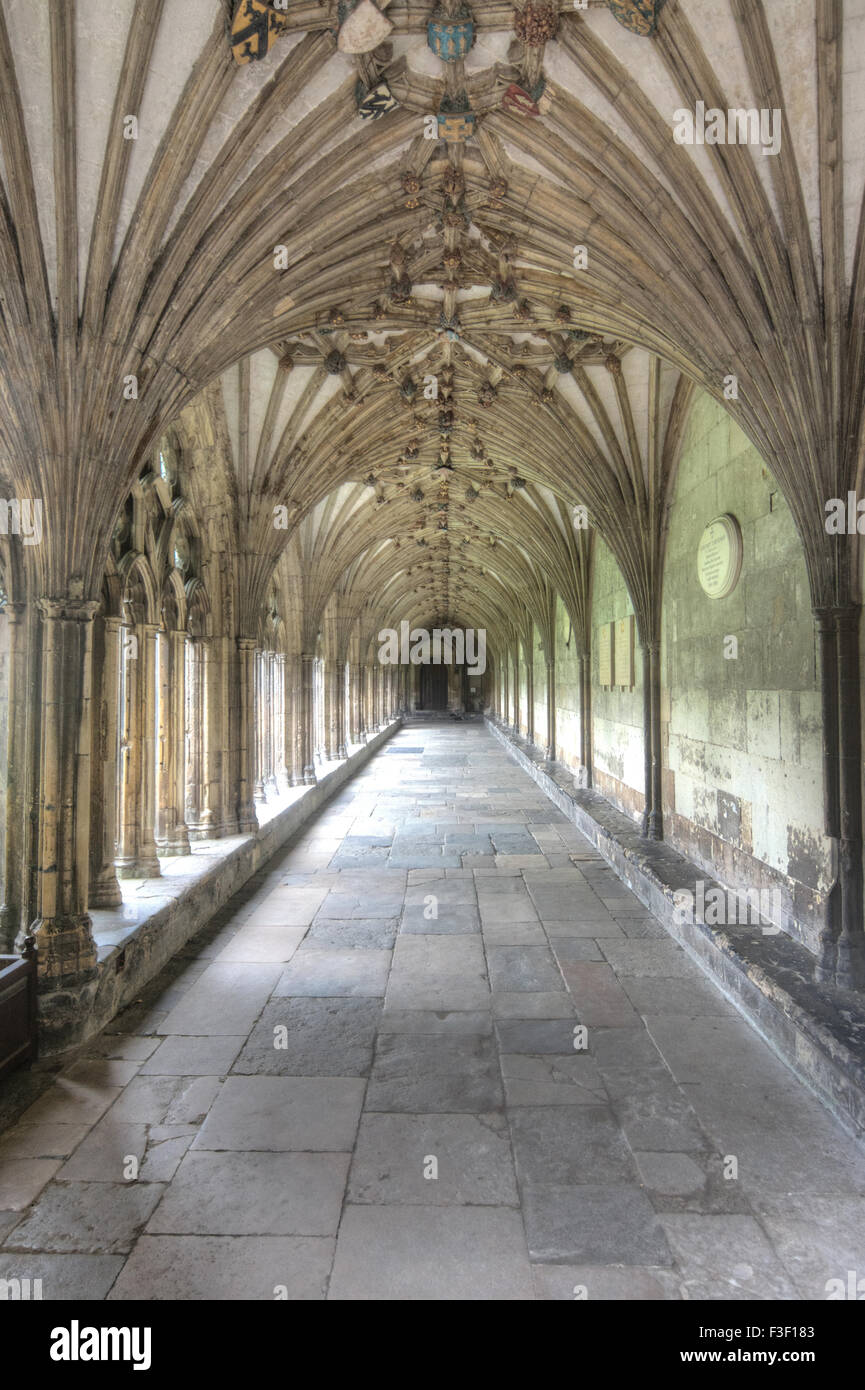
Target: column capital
[(77, 610)]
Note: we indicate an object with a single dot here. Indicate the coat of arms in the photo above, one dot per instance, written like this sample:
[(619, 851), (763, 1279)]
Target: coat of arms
[(640, 16), (528, 103), (254, 29), (376, 102)]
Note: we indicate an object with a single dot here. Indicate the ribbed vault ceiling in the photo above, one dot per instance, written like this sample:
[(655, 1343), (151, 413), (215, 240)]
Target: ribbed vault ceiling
[(409, 258)]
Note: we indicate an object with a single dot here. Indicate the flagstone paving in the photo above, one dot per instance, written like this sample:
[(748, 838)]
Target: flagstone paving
[(435, 1050)]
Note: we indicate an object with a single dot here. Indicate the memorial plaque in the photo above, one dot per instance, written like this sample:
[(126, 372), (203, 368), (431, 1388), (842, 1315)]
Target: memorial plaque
[(719, 557), (623, 657), (605, 654)]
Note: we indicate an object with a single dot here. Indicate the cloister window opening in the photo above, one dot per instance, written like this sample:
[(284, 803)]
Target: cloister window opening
[(153, 668)]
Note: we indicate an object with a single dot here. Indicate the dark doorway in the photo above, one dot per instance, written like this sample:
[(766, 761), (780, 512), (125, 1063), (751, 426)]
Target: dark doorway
[(433, 687)]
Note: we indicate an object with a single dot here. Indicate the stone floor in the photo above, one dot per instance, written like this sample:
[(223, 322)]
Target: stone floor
[(435, 1051)]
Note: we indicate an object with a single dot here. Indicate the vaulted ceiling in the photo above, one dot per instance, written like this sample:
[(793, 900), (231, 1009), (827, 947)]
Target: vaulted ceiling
[(430, 303)]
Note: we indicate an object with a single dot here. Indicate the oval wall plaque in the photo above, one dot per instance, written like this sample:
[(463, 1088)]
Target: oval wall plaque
[(719, 556)]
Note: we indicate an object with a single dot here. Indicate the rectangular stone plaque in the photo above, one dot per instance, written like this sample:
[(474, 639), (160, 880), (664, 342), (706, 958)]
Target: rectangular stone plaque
[(605, 654), (623, 661)]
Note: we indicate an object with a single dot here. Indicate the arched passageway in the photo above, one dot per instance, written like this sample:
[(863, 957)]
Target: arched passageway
[(534, 331)]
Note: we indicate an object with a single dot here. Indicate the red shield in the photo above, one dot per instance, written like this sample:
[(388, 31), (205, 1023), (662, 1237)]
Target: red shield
[(519, 102)]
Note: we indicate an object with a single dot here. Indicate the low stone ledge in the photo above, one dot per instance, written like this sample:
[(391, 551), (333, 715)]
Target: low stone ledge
[(815, 1027), (177, 905)]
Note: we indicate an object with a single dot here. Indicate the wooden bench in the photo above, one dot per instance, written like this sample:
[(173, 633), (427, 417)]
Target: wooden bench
[(17, 1009)]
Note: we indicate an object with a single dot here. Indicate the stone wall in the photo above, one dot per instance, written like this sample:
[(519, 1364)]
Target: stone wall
[(742, 732), (540, 668), (567, 690), (617, 713)]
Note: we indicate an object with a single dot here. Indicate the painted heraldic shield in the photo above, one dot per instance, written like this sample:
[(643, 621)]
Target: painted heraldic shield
[(377, 102), (517, 100), (254, 29)]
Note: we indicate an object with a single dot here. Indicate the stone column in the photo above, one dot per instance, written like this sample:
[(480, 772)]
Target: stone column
[(280, 742), (550, 750), (216, 817), (366, 700), (62, 928), (359, 713), (516, 724), (104, 886), (292, 720), (247, 821), (219, 691), (19, 904), (586, 715), (258, 721), (194, 789), (137, 856), (329, 711), (148, 663), (652, 826), (530, 699), (364, 703), (128, 771), (307, 719), (177, 742), (271, 764), (342, 711), (851, 943)]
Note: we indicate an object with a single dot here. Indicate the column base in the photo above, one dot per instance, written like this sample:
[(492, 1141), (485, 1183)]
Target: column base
[(850, 962), (207, 826), (67, 951), (309, 777), (138, 868), (177, 845), (342, 752), (105, 889)]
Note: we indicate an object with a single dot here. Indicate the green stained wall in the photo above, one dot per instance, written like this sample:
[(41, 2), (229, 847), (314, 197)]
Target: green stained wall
[(540, 670), (567, 690), (617, 714), (743, 778)]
